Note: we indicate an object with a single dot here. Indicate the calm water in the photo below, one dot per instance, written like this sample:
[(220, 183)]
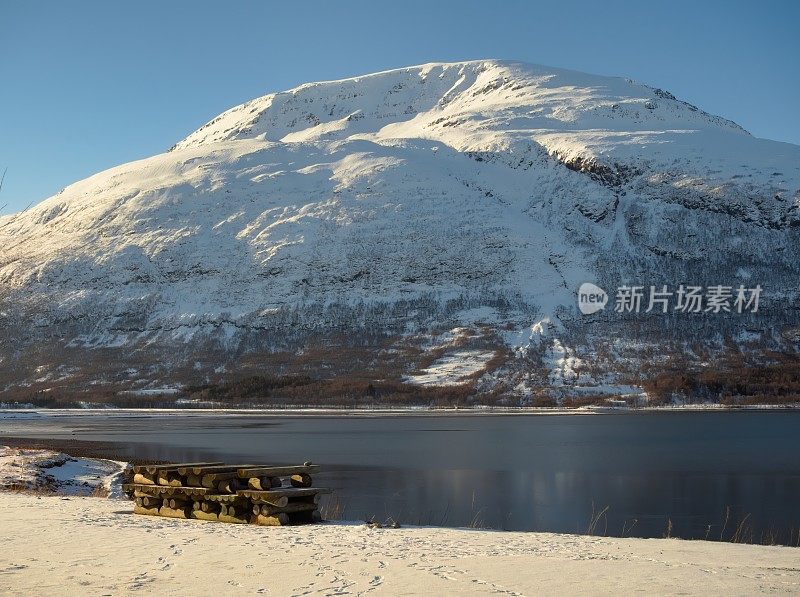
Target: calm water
[(518, 472)]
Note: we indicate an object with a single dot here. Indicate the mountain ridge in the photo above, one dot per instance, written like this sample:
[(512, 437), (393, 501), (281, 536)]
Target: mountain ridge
[(399, 206)]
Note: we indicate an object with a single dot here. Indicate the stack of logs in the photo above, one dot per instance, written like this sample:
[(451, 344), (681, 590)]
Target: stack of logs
[(243, 493)]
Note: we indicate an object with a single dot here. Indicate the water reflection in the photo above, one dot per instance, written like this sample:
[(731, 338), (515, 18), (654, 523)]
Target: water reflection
[(691, 470)]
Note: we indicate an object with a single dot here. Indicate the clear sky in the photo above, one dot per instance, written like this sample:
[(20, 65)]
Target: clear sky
[(88, 85)]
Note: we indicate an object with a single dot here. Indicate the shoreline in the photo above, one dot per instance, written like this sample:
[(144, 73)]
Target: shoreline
[(76, 448), (94, 545), (409, 411)]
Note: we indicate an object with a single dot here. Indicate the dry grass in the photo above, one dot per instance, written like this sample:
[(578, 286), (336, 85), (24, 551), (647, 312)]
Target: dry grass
[(332, 508), (40, 490), (595, 519), (100, 491), (731, 531)]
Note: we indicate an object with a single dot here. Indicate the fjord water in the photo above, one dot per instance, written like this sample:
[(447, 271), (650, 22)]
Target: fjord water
[(703, 473)]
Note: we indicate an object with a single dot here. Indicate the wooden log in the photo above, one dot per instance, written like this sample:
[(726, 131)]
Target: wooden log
[(289, 492), (270, 521), (268, 510), (224, 498), (216, 468), (137, 509), (187, 492), (174, 512), (173, 466), (275, 471), (147, 468), (306, 499), (150, 501), (300, 480), (176, 503), (141, 489), (278, 502), (143, 479), (169, 479), (228, 486), (307, 517), (200, 515), (212, 475), (234, 519), (263, 483), (194, 468), (140, 468), (209, 507), (212, 480), (241, 509), (259, 483), (193, 480)]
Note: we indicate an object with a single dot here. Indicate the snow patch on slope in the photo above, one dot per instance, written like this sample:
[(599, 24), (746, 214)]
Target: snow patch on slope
[(452, 369)]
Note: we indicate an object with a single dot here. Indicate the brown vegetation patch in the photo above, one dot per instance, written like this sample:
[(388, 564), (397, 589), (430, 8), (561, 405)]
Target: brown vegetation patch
[(733, 382)]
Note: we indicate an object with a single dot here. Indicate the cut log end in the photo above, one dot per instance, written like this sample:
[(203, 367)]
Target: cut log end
[(263, 483), (300, 480), (228, 486)]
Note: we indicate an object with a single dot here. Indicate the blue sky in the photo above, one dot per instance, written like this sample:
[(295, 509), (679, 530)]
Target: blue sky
[(88, 85)]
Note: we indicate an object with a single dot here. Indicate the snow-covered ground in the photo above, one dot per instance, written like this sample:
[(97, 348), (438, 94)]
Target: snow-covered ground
[(91, 546), (23, 468)]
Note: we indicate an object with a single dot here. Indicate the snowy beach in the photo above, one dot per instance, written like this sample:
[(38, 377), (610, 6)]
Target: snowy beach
[(93, 546)]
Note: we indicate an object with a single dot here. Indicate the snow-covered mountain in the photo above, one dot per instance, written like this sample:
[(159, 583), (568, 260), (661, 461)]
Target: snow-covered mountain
[(428, 225)]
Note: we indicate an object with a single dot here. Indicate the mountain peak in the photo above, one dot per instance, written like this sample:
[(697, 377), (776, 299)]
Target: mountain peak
[(503, 95)]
